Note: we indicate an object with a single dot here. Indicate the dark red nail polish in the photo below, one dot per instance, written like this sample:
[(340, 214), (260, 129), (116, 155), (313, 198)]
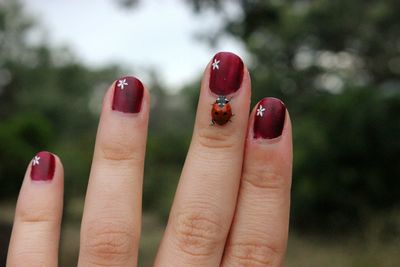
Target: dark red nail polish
[(128, 95), (43, 166), (226, 73), (269, 118)]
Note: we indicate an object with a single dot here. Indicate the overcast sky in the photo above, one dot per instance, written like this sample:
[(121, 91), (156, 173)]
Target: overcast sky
[(156, 34)]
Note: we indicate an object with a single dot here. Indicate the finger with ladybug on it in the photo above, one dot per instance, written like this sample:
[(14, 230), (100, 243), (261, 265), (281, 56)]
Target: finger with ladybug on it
[(214, 150), (226, 75)]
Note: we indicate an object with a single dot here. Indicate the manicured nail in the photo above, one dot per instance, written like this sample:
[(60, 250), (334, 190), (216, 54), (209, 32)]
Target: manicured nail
[(43, 166), (128, 95), (269, 118), (226, 73)]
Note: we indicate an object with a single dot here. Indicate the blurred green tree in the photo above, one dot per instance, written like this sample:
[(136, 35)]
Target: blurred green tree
[(336, 64), (168, 141), (49, 100), (44, 103)]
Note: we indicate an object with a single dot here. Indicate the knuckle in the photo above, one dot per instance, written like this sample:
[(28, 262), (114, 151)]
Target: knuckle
[(109, 242), (209, 137), (199, 233), (265, 179), (254, 254), (114, 150), (36, 215)]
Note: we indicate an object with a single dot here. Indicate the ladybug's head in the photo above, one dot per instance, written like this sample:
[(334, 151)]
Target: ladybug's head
[(221, 100)]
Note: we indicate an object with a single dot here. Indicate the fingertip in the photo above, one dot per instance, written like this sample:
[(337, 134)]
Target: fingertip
[(225, 82), (226, 74), (44, 166), (127, 96), (269, 121)]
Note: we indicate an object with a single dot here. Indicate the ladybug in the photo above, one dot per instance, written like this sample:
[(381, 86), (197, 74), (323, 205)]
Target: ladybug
[(221, 111)]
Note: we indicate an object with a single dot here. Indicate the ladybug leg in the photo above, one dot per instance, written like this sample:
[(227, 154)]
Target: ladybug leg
[(212, 123)]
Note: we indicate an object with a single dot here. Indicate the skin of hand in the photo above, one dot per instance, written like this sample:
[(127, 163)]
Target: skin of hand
[(232, 203)]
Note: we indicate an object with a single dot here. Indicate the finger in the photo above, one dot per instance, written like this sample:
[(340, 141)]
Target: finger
[(110, 230), (260, 227), (205, 199), (36, 231)]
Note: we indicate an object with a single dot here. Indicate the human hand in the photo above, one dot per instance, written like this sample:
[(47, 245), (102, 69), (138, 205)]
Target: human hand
[(231, 206)]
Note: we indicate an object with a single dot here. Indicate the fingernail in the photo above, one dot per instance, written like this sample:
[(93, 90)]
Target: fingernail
[(128, 95), (226, 73), (43, 166), (269, 118)]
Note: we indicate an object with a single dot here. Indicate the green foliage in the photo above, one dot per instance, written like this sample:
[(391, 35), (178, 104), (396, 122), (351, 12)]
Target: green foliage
[(345, 158), (336, 66), (20, 135), (168, 141), (44, 104)]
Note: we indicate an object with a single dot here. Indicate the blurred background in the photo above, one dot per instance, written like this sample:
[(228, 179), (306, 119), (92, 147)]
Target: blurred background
[(336, 65)]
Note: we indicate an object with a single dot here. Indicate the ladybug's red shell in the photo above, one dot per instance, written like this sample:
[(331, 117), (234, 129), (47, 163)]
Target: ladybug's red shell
[(221, 114)]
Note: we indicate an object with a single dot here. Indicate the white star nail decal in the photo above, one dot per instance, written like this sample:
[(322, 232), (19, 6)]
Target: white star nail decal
[(35, 160), (121, 84), (215, 64), (260, 111)]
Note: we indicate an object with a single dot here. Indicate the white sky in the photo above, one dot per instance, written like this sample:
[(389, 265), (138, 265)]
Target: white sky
[(156, 34)]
